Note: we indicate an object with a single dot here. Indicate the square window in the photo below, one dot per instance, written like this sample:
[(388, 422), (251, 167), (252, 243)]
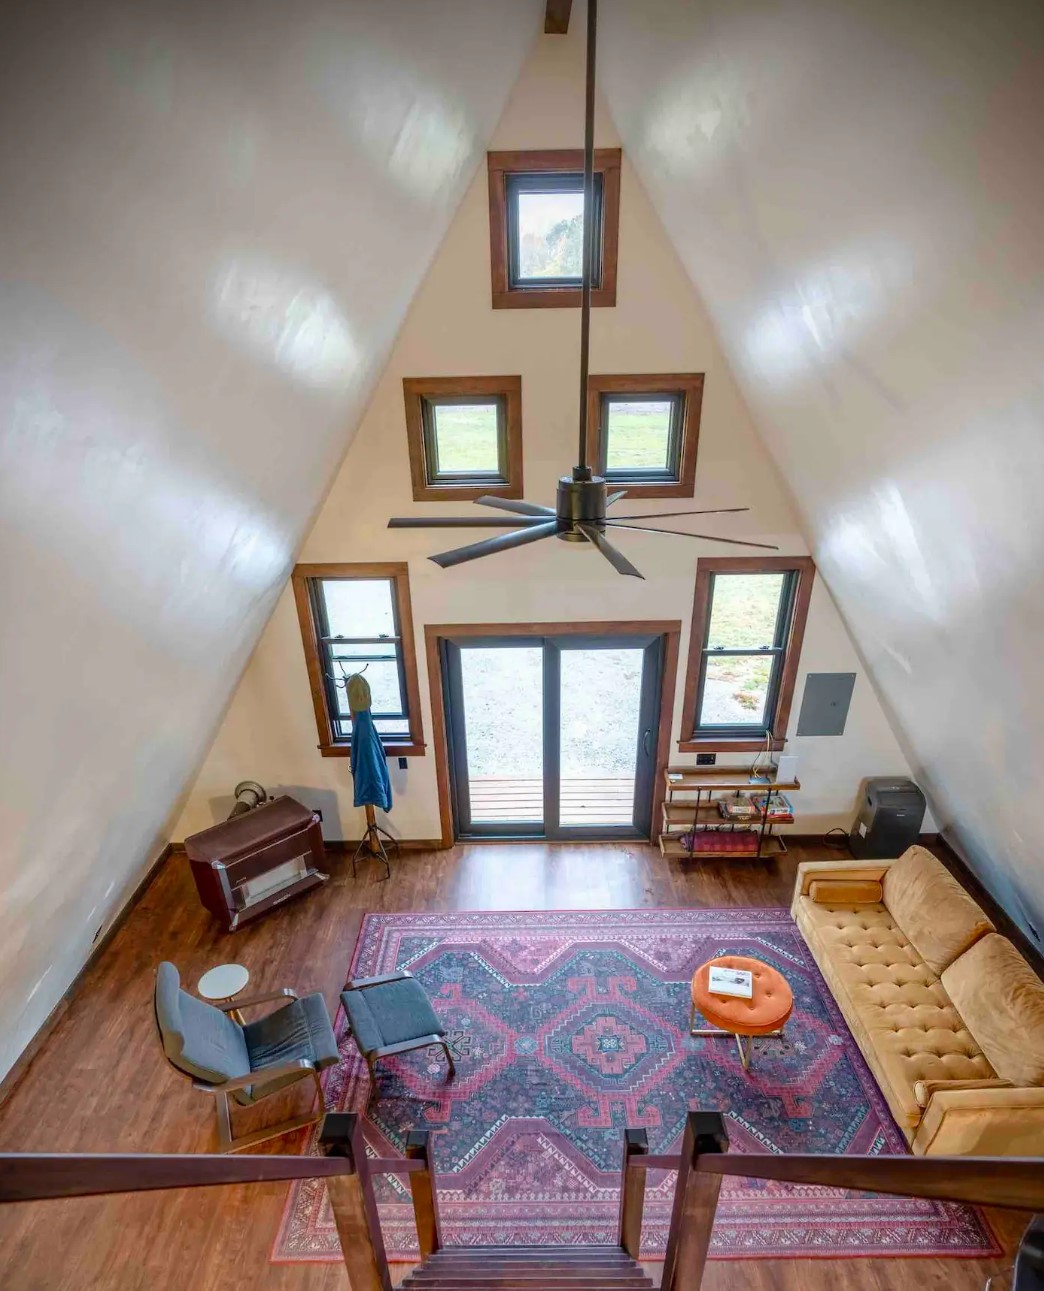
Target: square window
[(465, 436), (643, 431), (642, 435), (546, 230), (465, 439), (536, 227)]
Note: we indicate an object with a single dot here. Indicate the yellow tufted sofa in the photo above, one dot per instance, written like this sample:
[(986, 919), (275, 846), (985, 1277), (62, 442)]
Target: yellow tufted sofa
[(948, 1014)]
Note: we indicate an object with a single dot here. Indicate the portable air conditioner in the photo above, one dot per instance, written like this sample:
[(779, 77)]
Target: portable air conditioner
[(889, 820)]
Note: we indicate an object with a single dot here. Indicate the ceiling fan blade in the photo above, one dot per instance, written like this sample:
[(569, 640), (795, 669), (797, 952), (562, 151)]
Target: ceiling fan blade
[(615, 497), (676, 533), (666, 515), (519, 507), (464, 522), (489, 546), (615, 558)]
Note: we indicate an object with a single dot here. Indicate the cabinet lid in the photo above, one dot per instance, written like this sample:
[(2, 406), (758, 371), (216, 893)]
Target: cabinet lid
[(249, 832)]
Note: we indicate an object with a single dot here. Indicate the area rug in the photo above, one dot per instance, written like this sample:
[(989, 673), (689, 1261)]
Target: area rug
[(570, 1026)]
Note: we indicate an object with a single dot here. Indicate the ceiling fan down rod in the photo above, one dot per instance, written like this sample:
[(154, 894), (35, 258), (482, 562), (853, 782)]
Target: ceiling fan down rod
[(583, 471)]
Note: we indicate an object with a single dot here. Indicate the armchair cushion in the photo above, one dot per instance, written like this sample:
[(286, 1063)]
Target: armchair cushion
[(197, 1038), (389, 1013), (301, 1029)]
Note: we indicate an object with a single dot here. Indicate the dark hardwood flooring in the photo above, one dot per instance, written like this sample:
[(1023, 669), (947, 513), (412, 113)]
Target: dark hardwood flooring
[(100, 1083)]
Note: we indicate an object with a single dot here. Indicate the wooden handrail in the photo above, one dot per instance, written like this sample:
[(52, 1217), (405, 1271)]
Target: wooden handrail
[(44, 1176), (394, 1165), (1010, 1183), (422, 1190), (1013, 1183), (632, 1191), (354, 1204)]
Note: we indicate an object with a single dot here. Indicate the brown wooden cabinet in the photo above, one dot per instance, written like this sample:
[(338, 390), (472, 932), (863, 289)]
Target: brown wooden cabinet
[(251, 863)]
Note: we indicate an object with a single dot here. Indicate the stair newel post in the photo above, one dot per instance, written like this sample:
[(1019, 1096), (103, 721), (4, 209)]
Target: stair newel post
[(422, 1188), (354, 1204), (632, 1192), (695, 1202)]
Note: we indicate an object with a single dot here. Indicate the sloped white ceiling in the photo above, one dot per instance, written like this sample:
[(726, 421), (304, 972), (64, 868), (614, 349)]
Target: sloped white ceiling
[(857, 190), (214, 216)]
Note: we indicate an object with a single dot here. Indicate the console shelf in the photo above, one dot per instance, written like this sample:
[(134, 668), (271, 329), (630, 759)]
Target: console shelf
[(690, 805)]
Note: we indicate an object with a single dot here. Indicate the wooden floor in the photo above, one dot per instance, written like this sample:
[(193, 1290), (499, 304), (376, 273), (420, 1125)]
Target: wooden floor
[(100, 1083)]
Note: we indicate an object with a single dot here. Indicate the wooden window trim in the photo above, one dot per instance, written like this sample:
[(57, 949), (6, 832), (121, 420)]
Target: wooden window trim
[(805, 569), (689, 384), (607, 163), (416, 389), (329, 745)]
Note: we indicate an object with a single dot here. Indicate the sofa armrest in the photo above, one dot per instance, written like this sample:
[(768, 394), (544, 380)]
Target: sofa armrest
[(925, 1090), (989, 1122), (809, 871)]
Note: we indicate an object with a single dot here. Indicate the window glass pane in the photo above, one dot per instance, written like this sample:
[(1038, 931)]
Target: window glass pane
[(503, 689), (383, 679), (466, 439), (385, 726), (598, 755), (638, 435), (359, 607), (550, 234), (744, 609), (735, 690)]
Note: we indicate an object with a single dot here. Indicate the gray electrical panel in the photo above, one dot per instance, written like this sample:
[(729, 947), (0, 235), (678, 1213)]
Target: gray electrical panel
[(891, 813), (824, 707)]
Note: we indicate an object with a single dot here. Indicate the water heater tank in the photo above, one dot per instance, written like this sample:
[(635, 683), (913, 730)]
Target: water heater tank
[(890, 817)]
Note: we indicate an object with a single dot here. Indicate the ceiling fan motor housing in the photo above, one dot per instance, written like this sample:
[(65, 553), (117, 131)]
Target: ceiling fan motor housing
[(580, 501)]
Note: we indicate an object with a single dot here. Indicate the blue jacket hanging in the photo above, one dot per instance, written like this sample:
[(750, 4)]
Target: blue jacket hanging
[(369, 767)]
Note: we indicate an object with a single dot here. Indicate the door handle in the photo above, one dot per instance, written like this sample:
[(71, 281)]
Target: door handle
[(645, 742)]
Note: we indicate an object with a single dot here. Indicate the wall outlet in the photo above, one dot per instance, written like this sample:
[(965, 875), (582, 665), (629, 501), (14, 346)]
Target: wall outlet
[(706, 759)]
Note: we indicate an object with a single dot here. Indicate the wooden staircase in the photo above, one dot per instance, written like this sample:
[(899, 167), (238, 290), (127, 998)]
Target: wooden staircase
[(528, 1268)]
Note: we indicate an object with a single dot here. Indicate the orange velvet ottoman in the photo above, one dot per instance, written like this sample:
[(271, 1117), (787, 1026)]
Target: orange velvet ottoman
[(765, 1013)]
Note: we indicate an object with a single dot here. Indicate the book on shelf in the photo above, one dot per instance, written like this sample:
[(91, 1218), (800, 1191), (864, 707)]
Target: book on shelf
[(739, 807), (776, 806)]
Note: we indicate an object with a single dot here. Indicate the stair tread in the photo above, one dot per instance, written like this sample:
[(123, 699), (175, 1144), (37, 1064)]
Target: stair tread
[(528, 1268)]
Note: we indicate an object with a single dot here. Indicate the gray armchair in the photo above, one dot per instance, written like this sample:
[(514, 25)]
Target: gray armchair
[(247, 1062)]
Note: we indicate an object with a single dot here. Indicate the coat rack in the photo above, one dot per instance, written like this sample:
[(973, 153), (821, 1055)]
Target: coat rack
[(374, 840)]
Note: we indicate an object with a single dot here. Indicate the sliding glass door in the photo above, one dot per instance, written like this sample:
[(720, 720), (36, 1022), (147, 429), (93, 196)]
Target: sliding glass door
[(552, 737)]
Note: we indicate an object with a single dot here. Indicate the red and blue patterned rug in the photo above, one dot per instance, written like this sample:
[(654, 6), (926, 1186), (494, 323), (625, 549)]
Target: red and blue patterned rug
[(570, 1026)]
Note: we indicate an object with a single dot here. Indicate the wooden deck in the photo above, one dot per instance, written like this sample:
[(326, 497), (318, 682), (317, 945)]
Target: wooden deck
[(603, 800)]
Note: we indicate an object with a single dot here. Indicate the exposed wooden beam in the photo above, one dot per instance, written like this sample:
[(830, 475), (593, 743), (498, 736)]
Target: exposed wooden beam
[(556, 17)]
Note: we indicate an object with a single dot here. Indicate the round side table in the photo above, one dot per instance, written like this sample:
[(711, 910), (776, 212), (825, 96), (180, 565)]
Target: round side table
[(765, 1013), (222, 984)]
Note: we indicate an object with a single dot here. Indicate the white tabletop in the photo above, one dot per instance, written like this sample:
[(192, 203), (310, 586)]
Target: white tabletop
[(223, 982)]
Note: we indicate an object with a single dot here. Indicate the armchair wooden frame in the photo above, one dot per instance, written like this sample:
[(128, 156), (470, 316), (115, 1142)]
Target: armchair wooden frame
[(297, 1068)]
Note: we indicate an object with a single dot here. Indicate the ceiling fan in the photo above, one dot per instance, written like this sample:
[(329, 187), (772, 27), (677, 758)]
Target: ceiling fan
[(583, 500)]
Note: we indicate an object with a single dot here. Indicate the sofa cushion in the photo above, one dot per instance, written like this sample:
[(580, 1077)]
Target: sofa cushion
[(932, 908), (846, 892), (1002, 1000), (894, 1003)]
